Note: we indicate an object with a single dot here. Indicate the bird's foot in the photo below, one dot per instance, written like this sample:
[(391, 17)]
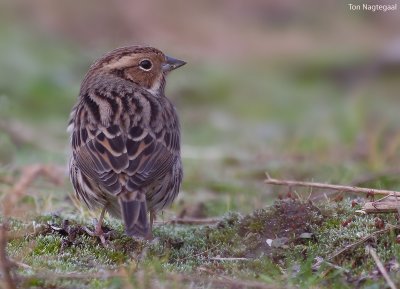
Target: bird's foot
[(149, 236), (99, 233)]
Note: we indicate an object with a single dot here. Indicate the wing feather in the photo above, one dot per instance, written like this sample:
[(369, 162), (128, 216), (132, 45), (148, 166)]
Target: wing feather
[(107, 151)]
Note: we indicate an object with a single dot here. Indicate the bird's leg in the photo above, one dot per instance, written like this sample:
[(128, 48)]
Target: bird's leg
[(98, 231), (152, 218)]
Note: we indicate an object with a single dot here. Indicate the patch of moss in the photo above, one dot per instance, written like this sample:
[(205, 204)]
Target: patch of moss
[(33, 283), (46, 245), (342, 227), (45, 218), (63, 246)]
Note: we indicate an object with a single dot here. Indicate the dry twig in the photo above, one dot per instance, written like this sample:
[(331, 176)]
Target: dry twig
[(381, 268), (341, 188), (201, 253), (4, 262), (320, 261), (19, 264), (388, 206), (397, 205), (362, 240), (29, 173), (28, 176), (193, 221), (229, 259)]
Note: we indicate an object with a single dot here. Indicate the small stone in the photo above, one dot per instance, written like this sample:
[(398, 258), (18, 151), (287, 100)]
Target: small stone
[(280, 242), (306, 235)]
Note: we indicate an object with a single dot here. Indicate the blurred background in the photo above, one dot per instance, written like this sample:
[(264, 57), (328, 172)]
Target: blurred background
[(305, 90)]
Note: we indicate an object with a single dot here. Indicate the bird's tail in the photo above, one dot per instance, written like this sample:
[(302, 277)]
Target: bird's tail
[(134, 214)]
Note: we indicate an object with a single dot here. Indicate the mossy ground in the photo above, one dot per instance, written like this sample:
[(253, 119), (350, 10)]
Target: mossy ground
[(277, 245)]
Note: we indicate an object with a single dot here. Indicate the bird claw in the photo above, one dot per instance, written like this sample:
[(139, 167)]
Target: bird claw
[(149, 236), (154, 241), (98, 232)]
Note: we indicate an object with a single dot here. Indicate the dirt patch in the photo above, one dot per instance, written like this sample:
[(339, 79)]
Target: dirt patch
[(287, 222)]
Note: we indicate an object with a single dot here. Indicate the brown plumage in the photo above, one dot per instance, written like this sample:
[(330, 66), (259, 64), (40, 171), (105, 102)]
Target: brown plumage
[(125, 137)]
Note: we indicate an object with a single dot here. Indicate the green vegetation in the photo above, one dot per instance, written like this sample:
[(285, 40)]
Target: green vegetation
[(237, 246)]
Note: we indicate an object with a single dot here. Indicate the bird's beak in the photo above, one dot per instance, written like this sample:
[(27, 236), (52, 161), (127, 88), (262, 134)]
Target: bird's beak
[(172, 63)]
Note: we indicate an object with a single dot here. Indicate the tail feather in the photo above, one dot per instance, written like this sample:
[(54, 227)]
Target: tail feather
[(134, 214)]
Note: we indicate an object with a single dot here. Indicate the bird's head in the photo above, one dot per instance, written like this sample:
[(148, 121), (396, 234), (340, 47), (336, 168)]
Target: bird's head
[(145, 66)]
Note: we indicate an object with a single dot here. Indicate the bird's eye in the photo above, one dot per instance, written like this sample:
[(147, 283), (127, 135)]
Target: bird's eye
[(145, 64)]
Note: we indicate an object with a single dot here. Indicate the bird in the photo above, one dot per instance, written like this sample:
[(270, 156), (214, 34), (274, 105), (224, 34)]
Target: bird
[(125, 139)]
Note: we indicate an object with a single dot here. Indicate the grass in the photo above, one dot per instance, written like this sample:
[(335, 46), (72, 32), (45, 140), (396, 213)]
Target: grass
[(300, 232)]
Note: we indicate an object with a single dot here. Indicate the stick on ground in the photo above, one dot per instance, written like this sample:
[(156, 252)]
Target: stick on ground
[(193, 221), (4, 262), (390, 206), (362, 240), (381, 268), (352, 189)]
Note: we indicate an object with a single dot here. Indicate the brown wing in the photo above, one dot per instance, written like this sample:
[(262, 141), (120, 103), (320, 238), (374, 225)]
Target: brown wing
[(133, 159)]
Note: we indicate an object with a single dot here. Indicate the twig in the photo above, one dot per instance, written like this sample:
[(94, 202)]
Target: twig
[(30, 173), (4, 262), (28, 176), (381, 268), (193, 221), (229, 259), (384, 198), (381, 207), (362, 240), (19, 264), (352, 189), (397, 205), (201, 253), (321, 261)]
